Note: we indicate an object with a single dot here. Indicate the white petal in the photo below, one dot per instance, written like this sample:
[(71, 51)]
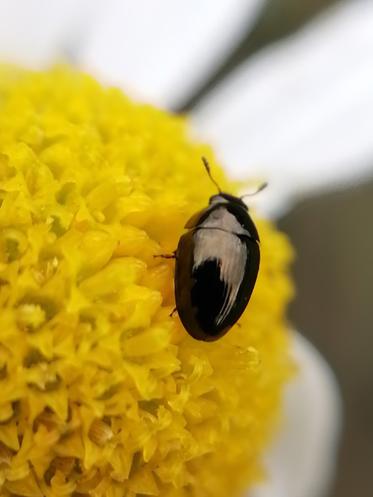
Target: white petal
[(161, 50), (38, 32), (300, 113), (302, 461)]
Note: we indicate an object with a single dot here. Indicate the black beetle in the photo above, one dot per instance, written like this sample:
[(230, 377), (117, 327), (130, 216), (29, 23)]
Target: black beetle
[(217, 263)]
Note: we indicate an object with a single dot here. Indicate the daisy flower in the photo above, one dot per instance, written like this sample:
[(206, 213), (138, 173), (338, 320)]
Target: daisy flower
[(297, 113)]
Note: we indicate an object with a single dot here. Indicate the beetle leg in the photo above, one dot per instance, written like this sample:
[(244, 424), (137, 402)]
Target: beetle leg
[(166, 256), (173, 312)]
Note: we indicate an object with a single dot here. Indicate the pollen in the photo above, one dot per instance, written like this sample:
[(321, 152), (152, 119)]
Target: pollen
[(102, 392)]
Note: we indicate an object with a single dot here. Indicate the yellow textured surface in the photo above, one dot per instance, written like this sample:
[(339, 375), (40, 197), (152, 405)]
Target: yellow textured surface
[(101, 392)]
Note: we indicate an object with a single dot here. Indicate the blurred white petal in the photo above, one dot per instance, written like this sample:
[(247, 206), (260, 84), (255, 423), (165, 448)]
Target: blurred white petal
[(300, 113), (39, 32), (160, 51), (302, 460)]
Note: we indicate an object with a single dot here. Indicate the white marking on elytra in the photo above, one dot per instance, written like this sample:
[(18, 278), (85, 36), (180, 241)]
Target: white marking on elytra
[(222, 244)]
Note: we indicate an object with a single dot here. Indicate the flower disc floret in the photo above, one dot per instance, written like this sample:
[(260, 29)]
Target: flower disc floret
[(102, 393)]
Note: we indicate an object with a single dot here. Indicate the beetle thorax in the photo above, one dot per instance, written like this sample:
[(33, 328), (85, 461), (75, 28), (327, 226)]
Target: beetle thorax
[(221, 219)]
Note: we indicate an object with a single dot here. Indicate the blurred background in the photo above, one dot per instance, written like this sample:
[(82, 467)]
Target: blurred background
[(284, 91), (333, 271), (333, 237)]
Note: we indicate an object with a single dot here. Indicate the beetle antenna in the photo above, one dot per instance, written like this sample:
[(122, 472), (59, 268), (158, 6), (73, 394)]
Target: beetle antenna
[(259, 189), (208, 170)]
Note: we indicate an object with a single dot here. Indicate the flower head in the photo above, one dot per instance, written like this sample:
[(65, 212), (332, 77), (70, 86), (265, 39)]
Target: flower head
[(102, 392)]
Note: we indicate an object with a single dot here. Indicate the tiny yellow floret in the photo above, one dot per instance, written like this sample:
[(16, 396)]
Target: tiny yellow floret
[(102, 393)]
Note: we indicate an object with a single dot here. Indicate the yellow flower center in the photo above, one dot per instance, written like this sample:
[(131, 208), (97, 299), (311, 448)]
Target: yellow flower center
[(101, 392)]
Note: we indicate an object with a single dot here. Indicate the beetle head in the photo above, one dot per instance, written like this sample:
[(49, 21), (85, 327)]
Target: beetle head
[(227, 198)]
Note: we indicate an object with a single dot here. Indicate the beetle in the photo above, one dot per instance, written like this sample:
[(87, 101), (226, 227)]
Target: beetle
[(217, 263)]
